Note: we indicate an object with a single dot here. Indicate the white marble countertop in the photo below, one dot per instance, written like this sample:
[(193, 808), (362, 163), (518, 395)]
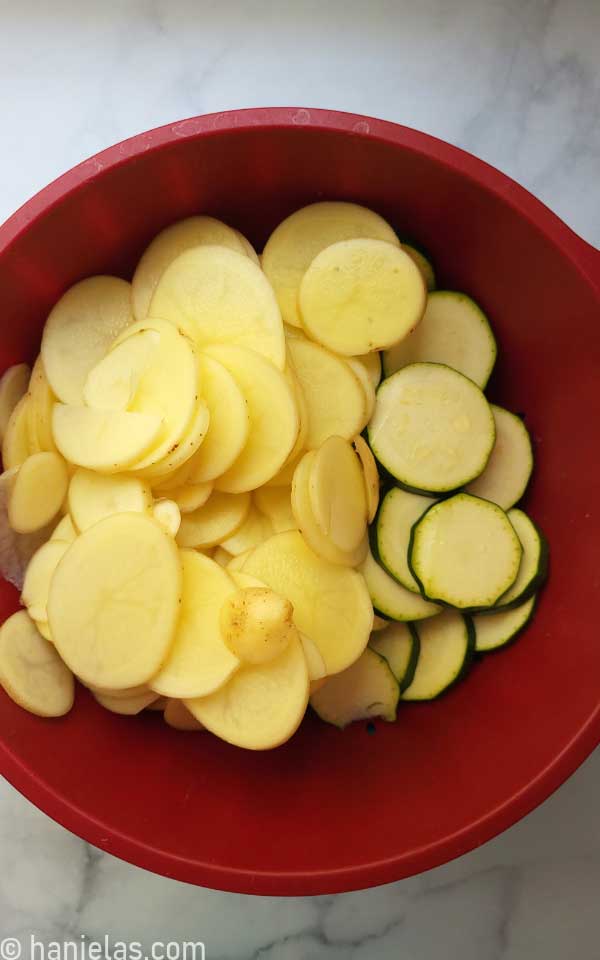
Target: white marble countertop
[(517, 83)]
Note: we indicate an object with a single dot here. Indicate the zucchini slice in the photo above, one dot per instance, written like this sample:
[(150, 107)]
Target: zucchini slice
[(534, 561), (366, 689), (399, 645), (446, 651), (453, 331), (509, 468), (495, 630), (433, 430), (398, 513), (465, 553), (391, 599)]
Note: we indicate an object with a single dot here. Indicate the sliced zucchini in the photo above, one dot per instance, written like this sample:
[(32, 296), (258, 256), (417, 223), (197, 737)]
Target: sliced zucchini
[(432, 429), (453, 331), (392, 600), (534, 562), (495, 630), (509, 468), (446, 650), (398, 513), (399, 645), (424, 264), (366, 689), (464, 552)]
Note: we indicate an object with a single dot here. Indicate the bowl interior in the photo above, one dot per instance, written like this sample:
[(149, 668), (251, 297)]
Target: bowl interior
[(333, 810)]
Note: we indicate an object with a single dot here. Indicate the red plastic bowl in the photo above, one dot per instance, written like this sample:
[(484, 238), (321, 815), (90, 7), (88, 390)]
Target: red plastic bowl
[(334, 811)]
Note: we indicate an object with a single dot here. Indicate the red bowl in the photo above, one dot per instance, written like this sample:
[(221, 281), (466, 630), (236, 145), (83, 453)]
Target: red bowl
[(334, 811)]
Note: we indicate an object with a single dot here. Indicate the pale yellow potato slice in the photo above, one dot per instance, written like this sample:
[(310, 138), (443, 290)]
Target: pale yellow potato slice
[(255, 528), (285, 476), (199, 661), (222, 557), (79, 331), (31, 671), (173, 480), (276, 504), (15, 445), (229, 422), (221, 516), (262, 705), (216, 295), (103, 440), (372, 364), (236, 564), (44, 628), (331, 602), (126, 693), (168, 245), (295, 243), (16, 549), (94, 496), (191, 496), (247, 247), (273, 416), (38, 577), (318, 541), (244, 580), (256, 624), (314, 661), (114, 601), (177, 715), (337, 493), (39, 490), (361, 295), (13, 386), (370, 475), (180, 455), (127, 706), (64, 531), (300, 444), (361, 373), (334, 397), (113, 382), (41, 404), (168, 514), (158, 705)]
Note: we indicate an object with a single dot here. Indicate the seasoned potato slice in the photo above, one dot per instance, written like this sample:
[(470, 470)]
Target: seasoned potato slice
[(104, 440), (39, 490), (229, 423), (93, 496), (31, 671), (13, 386), (221, 516)]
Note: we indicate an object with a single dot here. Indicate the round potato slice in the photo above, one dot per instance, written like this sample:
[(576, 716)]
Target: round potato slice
[(41, 404), (221, 516), (331, 602), (39, 490), (112, 383), (13, 386), (334, 397), (262, 705), (168, 245), (38, 577), (273, 415), (114, 601), (243, 580), (229, 422), (44, 628), (247, 247), (191, 496), (337, 494), (93, 496), (31, 670), (370, 474), (127, 706), (372, 364), (181, 453), (177, 715), (216, 295), (168, 514), (199, 662), (314, 661), (79, 331), (276, 504), (360, 372), (16, 549), (103, 440), (295, 243), (64, 531), (255, 528), (361, 295), (15, 445)]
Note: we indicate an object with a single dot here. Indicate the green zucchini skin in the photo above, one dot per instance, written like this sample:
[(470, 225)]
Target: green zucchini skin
[(538, 580), (509, 641), (468, 660), (414, 659)]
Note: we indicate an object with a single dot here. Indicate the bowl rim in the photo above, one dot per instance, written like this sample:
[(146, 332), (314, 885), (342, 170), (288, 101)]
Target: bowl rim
[(294, 883)]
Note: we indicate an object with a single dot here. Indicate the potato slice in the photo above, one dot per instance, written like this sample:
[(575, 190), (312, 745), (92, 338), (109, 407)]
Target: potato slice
[(236, 564), (229, 422), (114, 601), (334, 397), (337, 494), (15, 445), (361, 295), (64, 532), (13, 387), (44, 628), (247, 247), (39, 490), (191, 496), (276, 504), (372, 364), (331, 602), (177, 715), (199, 661), (273, 416), (261, 706), (295, 243), (370, 475), (222, 557), (300, 444), (181, 453), (113, 382), (79, 331), (243, 580), (256, 624), (314, 661), (31, 672), (38, 577), (168, 514), (158, 705), (221, 516), (255, 528), (103, 440), (216, 295), (127, 706), (16, 549), (361, 374), (41, 404), (93, 496)]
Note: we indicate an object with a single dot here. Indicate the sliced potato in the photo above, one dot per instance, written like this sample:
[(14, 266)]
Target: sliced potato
[(314, 661), (276, 504), (15, 445), (199, 661), (222, 557), (370, 473), (247, 247), (177, 461), (295, 243), (261, 706), (168, 245), (177, 715), (221, 516), (273, 416), (93, 496), (41, 404), (31, 672), (256, 624), (216, 295), (13, 386), (229, 422), (331, 602), (372, 364), (44, 628), (236, 564), (113, 382), (16, 549), (113, 622), (39, 490), (79, 331), (64, 531), (168, 514), (361, 374), (302, 406), (255, 528), (103, 440), (158, 705), (127, 706), (191, 496), (337, 494), (244, 580), (38, 577)]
